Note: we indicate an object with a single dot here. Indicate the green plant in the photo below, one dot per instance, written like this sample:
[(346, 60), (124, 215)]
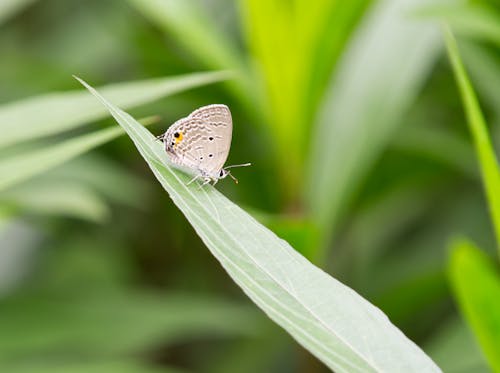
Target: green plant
[(326, 317)]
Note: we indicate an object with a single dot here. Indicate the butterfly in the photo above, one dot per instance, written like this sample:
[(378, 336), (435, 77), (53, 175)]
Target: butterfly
[(201, 143)]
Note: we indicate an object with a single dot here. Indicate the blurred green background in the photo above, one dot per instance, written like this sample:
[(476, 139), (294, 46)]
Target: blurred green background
[(361, 159)]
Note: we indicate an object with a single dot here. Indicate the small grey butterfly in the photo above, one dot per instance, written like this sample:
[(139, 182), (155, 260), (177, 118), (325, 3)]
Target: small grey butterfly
[(201, 142)]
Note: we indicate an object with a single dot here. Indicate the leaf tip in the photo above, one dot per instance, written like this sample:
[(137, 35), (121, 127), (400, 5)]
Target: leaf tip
[(82, 82)]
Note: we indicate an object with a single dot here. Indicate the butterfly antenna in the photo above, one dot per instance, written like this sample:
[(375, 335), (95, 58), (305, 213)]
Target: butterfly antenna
[(238, 165)]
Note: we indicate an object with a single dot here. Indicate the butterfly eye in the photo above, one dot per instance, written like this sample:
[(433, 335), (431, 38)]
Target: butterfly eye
[(221, 173)]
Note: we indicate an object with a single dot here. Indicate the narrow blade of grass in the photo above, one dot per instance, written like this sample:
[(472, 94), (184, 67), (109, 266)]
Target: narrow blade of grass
[(332, 321), (477, 126), (476, 285), (57, 112)]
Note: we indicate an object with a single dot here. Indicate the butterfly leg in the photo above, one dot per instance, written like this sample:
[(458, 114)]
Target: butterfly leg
[(193, 179), (206, 181)]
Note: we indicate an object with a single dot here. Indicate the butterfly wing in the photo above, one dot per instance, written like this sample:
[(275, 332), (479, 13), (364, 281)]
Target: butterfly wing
[(202, 140)]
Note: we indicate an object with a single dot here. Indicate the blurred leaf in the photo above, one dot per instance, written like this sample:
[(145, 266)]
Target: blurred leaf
[(477, 126), (483, 67), (407, 299), (18, 243), (473, 19), (476, 285), (193, 29), (296, 44), (454, 349), (9, 8), (331, 320), (258, 354), (102, 174), (329, 26), (57, 112), (23, 162), (420, 250), (57, 197), (378, 79), (105, 324), (377, 226), (430, 142), (79, 188), (18, 168)]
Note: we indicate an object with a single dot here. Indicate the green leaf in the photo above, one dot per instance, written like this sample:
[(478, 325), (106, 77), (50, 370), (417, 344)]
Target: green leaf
[(57, 197), (430, 142), (193, 29), (20, 165), (196, 32), (332, 321), (480, 21), (80, 188), (476, 285), (110, 323), (377, 81), (483, 66), (296, 44), (453, 347), (479, 132), (101, 174), (23, 166), (57, 112)]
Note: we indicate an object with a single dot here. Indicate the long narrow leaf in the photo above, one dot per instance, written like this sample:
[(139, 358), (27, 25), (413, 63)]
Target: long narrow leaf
[(18, 168), (56, 112), (57, 197), (336, 324), (296, 45), (476, 284), (198, 34), (486, 155), (194, 30), (378, 79)]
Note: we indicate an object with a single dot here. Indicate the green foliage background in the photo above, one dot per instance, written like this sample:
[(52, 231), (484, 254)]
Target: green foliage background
[(362, 159)]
